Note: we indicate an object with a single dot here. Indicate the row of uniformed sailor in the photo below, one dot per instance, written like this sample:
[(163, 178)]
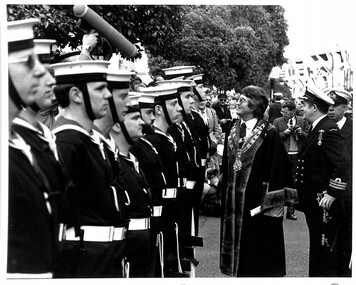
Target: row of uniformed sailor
[(189, 154), (92, 210), (159, 161)]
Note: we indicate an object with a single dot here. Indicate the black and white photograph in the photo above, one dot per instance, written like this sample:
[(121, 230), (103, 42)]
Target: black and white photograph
[(180, 142)]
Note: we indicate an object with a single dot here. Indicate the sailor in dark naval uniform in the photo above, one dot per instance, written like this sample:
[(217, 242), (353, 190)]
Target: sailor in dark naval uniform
[(38, 136), (344, 241), (200, 131), (167, 112), (90, 221), (321, 180), (118, 84), (151, 165), (139, 245), (31, 217), (188, 155)]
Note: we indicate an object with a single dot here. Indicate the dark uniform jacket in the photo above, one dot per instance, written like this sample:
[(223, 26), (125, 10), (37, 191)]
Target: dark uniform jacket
[(151, 165), (187, 152), (31, 224), (85, 165), (346, 131), (43, 146), (323, 165), (132, 180), (112, 158), (139, 245), (166, 148), (90, 202)]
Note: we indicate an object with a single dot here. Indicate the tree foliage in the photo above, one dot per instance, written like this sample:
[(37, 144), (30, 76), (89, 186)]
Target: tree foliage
[(153, 26), (234, 45)]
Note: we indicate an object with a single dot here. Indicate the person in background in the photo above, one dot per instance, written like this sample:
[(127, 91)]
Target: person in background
[(255, 172), (223, 112), (299, 107), (322, 177), (275, 107), (208, 100), (135, 81), (293, 130), (336, 113)]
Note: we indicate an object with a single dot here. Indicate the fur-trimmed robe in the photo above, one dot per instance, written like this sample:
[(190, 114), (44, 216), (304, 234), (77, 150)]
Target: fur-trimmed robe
[(253, 246)]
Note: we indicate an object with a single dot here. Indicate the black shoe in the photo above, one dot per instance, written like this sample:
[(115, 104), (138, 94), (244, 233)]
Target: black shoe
[(291, 216)]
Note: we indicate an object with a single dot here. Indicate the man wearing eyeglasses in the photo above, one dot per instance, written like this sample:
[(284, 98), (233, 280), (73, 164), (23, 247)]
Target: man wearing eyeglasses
[(223, 112), (31, 223), (292, 130)]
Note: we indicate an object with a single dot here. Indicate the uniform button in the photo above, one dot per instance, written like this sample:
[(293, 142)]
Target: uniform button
[(301, 181), (302, 167), (301, 174)]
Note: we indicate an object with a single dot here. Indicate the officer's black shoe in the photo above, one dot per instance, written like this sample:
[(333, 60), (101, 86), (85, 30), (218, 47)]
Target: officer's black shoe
[(291, 216)]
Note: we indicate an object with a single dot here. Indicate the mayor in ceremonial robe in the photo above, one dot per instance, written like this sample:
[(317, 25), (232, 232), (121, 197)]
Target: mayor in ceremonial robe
[(255, 187)]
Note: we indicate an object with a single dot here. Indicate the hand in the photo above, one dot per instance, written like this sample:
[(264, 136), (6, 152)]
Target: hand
[(287, 132), (326, 201), (90, 40), (223, 121)]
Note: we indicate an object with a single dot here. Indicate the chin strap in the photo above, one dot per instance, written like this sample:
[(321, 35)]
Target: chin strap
[(14, 95), (87, 103)]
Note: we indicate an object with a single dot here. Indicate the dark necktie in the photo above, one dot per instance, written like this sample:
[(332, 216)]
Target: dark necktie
[(242, 130), (242, 134)]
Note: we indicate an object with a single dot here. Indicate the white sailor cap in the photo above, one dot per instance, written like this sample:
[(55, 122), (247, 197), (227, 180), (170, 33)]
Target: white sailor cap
[(182, 85), (162, 93), (312, 93), (43, 49), (147, 100), (80, 71), (119, 79), (20, 34), (197, 78), (178, 71), (339, 96), (134, 96)]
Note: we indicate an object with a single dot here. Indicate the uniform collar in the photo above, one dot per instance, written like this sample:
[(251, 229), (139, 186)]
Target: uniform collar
[(318, 120), (341, 123)]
